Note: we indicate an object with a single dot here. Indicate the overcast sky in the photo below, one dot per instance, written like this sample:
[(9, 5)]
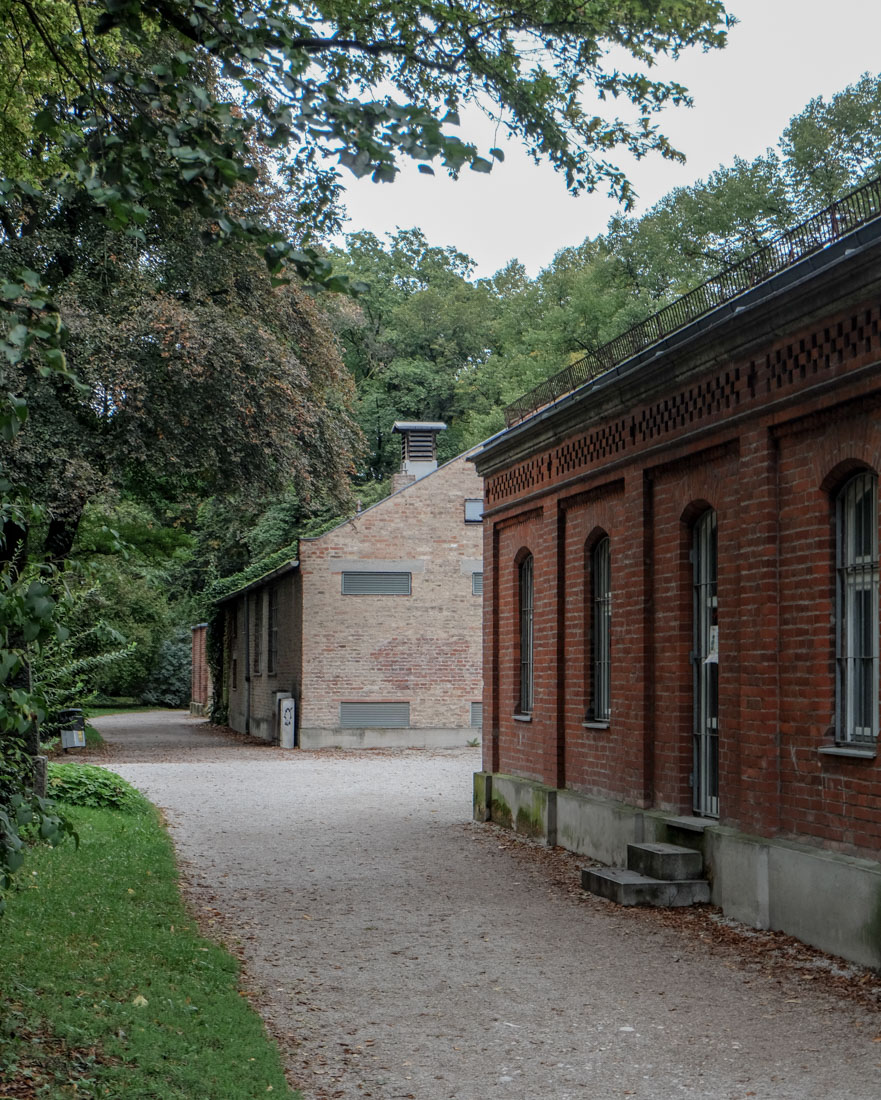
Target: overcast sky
[(781, 54)]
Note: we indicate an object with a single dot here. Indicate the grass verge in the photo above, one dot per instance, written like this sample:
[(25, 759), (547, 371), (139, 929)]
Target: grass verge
[(122, 708), (106, 987)]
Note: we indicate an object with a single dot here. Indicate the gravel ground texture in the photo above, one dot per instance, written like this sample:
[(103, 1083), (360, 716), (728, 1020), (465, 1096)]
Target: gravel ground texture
[(398, 950)]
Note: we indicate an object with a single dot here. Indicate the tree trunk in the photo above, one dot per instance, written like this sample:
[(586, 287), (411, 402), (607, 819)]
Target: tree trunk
[(59, 538)]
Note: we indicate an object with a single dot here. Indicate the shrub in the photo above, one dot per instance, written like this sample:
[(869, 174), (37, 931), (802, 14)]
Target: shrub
[(169, 683), (88, 785)]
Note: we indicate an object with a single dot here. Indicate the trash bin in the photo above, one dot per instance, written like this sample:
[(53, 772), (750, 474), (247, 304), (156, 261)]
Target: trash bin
[(73, 729)]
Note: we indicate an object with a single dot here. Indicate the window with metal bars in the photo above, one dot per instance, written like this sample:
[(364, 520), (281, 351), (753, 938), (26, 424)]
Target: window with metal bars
[(257, 650), (857, 611), (527, 664), (477, 584), (272, 633), (600, 708), (705, 665)]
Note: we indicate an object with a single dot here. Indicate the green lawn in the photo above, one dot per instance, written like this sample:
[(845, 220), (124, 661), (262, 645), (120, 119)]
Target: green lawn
[(106, 987), (122, 708)]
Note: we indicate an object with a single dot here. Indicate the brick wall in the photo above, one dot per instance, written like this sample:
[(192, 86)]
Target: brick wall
[(424, 648), (200, 678), (762, 423)]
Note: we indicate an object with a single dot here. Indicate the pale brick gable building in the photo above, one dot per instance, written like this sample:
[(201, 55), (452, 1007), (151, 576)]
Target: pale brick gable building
[(375, 628)]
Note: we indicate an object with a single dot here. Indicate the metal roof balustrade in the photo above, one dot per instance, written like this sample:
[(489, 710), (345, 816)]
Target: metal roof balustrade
[(812, 235)]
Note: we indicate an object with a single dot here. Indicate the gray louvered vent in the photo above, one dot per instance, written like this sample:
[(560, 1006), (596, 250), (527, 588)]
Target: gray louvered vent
[(373, 715), (477, 584), (375, 584), (477, 715), (418, 446)]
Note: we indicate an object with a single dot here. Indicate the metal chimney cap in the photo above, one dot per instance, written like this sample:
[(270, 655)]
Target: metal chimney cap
[(418, 426)]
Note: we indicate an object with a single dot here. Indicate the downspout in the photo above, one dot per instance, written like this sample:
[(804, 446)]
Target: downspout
[(247, 664)]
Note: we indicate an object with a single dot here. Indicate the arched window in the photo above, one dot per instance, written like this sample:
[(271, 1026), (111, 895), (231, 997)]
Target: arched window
[(527, 594), (705, 658), (600, 708), (857, 610)]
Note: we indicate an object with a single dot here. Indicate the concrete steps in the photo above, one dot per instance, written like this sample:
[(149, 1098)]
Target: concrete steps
[(664, 875)]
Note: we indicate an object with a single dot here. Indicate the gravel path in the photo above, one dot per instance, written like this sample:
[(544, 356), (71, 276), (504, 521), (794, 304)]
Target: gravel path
[(399, 951)]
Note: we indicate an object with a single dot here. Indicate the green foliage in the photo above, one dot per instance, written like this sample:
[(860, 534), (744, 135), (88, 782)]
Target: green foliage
[(66, 676), (88, 785), (416, 340), (108, 990), (186, 354), (27, 818), (27, 625), (169, 681), (136, 109), (831, 146)]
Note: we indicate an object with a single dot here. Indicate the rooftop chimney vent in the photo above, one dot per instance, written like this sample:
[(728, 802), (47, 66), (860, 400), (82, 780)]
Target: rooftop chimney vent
[(418, 446)]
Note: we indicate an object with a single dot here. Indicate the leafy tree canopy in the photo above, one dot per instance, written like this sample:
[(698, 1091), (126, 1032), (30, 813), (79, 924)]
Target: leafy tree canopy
[(364, 83), (196, 375), (517, 330)]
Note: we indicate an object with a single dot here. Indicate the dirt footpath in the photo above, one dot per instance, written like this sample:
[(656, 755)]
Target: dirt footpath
[(399, 951)]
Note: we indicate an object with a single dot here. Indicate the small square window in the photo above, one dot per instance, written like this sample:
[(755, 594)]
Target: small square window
[(477, 584), (474, 511)]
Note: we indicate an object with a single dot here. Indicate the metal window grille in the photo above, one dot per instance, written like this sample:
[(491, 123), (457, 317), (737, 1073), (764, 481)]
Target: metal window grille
[(477, 584), (477, 715), (257, 651), (526, 635), (474, 511), (376, 584), (857, 610), (601, 631), (705, 777), (272, 632), (374, 715)]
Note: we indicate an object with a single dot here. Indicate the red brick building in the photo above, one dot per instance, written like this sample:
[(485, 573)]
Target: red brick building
[(681, 639), (201, 690), (375, 629)]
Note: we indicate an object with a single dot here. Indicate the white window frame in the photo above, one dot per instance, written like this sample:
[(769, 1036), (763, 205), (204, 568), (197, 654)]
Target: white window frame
[(856, 611)]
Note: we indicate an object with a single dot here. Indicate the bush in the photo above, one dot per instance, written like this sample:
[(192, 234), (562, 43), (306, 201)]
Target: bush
[(169, 683), (88, 785)]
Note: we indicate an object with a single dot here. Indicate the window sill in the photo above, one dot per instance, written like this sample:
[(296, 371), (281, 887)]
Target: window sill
[(855, 752), (590, 724), (522, 717)]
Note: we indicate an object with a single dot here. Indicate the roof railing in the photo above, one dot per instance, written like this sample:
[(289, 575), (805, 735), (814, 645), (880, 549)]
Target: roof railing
[(815, 233)]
